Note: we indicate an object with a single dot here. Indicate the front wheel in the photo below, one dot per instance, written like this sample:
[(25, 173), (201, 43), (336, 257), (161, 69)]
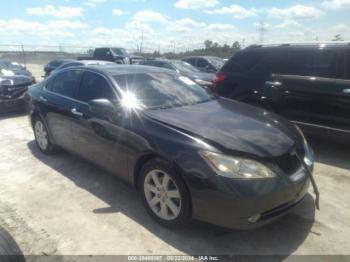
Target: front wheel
[(164, 194)]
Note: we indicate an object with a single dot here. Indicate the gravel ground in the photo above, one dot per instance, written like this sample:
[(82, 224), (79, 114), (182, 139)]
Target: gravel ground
[(63, 205)]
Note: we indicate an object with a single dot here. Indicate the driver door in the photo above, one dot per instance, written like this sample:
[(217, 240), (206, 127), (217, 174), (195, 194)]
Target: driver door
[(99, 138)]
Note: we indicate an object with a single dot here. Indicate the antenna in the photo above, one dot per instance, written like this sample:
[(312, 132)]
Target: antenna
[(261, 31)]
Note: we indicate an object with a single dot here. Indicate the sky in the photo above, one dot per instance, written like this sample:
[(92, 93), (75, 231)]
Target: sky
[(166, 25)]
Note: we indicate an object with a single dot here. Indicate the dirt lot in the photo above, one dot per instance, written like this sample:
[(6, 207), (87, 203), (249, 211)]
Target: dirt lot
[(63, 205)]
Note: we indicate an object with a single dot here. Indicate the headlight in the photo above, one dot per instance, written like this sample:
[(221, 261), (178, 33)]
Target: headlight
[(203, 82), (309, 157), (235, 167)]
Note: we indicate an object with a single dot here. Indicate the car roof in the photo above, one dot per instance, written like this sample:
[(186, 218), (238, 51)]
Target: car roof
[(123, 69), (311, 45), (203, 56)]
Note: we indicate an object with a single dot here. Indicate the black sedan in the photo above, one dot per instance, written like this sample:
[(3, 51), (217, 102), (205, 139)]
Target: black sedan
[(52, 65), (10, 68), (203, 79), (189, 154)]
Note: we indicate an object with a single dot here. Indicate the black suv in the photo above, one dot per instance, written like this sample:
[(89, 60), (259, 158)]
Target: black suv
[(307, 83)]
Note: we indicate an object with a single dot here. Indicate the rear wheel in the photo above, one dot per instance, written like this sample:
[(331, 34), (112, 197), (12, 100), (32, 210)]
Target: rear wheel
[(164, 194), (42, 137)]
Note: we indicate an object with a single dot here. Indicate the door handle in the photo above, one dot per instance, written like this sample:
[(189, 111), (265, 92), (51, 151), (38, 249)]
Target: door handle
[(42, 99), (346, 91), (75, 112)]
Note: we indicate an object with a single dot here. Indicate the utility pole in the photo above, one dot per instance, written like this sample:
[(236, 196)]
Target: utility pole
[(141, 39), (24, 55), (261, 31)]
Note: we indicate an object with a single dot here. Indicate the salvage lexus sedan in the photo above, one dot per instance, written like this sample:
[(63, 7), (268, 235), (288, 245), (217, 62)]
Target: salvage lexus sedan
[(190, 155)]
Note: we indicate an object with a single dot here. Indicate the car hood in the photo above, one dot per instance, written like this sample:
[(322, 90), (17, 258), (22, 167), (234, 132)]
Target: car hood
[(233, 125), (15, 80), (23, 72)]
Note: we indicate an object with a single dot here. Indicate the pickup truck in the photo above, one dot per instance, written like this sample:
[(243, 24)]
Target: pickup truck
[(114, 54)]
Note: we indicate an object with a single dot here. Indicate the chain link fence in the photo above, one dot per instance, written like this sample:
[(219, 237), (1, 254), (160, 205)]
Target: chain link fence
[(36, 57)]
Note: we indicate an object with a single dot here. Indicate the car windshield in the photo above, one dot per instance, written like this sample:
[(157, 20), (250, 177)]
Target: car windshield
[(119, 51), (159, 91), (184, 66), (216, 62)]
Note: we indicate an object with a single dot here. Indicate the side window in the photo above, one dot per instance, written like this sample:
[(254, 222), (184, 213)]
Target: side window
[(322, 63), (100, 52), (243, 61), (165, 65), (347, 64), (149, 63), (325, 63), (273, 63), (300, 63), (191, 61), (94, 86), (202, 63), (65, 83)]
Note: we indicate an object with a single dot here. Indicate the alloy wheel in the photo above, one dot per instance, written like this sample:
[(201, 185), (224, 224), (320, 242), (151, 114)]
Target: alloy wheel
[(41, 135), (162, 194)]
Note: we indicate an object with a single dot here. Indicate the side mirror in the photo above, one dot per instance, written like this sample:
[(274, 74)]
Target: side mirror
[(101, 106)]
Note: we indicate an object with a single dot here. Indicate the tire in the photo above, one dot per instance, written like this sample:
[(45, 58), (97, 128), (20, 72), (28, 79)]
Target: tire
[(42, 138), (166, 198), (9, 250)]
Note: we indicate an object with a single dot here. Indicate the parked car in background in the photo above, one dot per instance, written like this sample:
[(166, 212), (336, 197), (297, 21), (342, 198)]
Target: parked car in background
[(209, 64), (241, 167), (203, 79), (52, 65), (307, 83), (82, 63), (13, 68), (12, 91), (113, 54)]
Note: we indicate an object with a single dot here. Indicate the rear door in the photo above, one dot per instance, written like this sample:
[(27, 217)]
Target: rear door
[(313, 90), (56, 102)]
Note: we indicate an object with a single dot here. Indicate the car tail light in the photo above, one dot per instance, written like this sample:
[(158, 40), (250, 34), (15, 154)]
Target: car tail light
[(218, 79)]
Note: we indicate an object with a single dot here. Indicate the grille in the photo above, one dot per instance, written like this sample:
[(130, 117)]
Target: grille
[(11, 92)]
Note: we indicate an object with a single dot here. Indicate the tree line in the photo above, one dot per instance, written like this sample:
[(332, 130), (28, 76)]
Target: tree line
[(210, 49)]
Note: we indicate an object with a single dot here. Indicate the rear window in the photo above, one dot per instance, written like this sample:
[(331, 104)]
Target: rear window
[(243, 61)]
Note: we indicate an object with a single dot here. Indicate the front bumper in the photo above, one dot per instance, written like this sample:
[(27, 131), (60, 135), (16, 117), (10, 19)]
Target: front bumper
[(232, 204), (9, 105)]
